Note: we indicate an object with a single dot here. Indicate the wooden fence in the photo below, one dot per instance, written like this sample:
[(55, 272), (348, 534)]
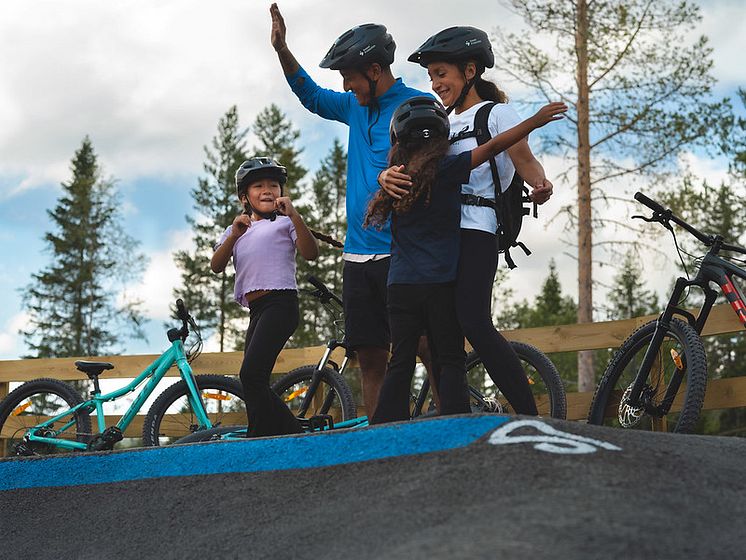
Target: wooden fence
[(721, 393)]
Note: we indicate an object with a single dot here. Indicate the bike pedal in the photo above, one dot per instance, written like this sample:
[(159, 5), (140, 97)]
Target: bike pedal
[(320, 423), (106, 440), (23, 450)]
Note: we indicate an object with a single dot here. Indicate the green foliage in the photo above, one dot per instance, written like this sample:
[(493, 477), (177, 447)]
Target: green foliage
[(649, 84), (323, 210), (277, 139), (72, 302), (737, 146), (628, 297), (649, 92), (209, 296), (550, 307)]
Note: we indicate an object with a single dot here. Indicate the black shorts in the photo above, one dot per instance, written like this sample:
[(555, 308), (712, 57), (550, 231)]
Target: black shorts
[(364, 295)]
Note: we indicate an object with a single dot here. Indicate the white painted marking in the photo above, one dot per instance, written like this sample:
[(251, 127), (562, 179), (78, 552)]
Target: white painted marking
[(555, 441)]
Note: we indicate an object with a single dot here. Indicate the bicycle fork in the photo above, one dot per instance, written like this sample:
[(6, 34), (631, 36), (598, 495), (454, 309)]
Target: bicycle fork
[(317, 375), (663, 325)]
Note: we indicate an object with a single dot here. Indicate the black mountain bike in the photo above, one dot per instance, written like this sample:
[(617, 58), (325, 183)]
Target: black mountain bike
[(657, 378), (300, 388)]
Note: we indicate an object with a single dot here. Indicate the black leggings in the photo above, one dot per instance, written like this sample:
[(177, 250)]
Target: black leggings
[(476, 276), (274, 318), (412, 309)]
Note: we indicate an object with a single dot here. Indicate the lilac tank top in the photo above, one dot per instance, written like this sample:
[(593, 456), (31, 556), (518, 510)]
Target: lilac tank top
[(264, 257)]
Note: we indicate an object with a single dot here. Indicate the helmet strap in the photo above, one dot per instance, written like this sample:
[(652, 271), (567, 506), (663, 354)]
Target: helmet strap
[(464, 92), (373, 103), (249, 209)]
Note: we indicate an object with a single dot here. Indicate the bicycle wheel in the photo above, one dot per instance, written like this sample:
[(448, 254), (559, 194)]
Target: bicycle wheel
[(681, 354), (172, 417), (333, 395), (33, 403), (543, 378)]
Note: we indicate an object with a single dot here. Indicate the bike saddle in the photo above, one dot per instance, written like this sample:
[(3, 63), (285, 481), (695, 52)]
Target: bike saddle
[(93, 369)]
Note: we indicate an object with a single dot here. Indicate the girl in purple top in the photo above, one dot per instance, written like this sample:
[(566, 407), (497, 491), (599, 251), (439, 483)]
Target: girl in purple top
[(262, 242)]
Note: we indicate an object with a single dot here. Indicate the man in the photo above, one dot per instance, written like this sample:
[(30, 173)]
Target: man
[(363, 57)]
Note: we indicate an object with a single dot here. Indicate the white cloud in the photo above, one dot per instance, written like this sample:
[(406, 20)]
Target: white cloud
[(11, 344), (149, 81), (160, 278), (726, 38)]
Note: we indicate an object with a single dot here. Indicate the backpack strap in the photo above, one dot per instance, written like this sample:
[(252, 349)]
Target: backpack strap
[(482, 134)]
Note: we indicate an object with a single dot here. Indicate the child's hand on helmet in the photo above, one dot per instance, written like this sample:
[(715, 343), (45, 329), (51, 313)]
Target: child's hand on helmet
[(285, 206), (394, 182), (240, 225), (549, 113)]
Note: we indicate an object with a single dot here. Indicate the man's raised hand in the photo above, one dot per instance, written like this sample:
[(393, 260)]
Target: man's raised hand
[(279, 30)]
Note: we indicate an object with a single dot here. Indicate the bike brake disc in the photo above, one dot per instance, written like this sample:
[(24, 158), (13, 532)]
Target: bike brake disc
[(629, 416)]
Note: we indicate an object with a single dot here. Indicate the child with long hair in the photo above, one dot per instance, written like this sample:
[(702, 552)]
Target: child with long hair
[(425, 226), (262, 243)]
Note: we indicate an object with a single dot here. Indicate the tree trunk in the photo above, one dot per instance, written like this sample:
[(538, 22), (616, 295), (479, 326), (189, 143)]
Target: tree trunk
[(585, 274)]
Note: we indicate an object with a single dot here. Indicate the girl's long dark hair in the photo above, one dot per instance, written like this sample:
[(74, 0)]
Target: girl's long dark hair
[(420, 158), (485, 89)]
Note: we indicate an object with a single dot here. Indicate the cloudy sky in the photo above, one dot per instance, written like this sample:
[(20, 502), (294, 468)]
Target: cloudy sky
[(148, 81)]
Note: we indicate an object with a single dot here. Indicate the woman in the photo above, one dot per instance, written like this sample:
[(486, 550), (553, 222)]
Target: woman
[(455, 59)]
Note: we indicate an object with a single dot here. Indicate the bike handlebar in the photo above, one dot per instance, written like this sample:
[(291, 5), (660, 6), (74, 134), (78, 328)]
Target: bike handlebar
[(665, 214), (182, 313), (650, 203), (323, 292)]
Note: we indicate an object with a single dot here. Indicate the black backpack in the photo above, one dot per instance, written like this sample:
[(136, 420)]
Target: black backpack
[(511, 205)]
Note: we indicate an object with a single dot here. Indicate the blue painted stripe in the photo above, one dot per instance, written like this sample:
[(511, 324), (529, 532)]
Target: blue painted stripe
[(290, 452)]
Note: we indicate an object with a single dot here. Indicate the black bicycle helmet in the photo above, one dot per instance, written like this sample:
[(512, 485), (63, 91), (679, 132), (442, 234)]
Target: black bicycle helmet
[(419, 117), (361, 45), (456, 43), (260, 167)]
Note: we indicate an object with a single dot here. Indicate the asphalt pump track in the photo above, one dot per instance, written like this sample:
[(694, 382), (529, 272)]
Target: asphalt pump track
[(459, 487)]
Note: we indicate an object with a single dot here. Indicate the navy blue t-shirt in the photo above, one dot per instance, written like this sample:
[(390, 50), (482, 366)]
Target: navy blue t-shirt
[(425, 241)]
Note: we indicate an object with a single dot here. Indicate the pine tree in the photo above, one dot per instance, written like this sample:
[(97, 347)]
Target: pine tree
[(72, 303), (209, 296), (737, 145), (550, 307), (641, 90), (323, 210), (277, 139), (628, 297)]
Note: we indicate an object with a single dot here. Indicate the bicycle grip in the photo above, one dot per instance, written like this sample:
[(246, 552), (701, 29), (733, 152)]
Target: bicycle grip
[(316, 283), (650, 203), (181, 311)]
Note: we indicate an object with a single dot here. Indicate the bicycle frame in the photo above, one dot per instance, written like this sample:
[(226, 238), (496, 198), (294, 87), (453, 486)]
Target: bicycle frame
[(331, 346), (154, 373), (712, 269)]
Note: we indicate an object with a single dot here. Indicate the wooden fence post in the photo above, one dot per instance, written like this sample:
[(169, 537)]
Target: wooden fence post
[(4, 389)]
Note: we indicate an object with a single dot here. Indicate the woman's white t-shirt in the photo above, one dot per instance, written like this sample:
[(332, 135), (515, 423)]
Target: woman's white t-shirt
[(501, 118)]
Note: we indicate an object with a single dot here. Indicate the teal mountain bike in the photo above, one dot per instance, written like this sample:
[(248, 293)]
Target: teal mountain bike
[(321, 399), (47, 416)]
